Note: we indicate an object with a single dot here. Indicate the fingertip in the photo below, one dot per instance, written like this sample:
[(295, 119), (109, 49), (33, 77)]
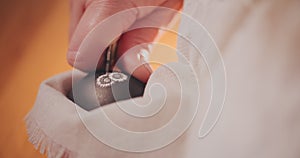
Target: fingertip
[(135, 62), (78, 62), (71, 57)]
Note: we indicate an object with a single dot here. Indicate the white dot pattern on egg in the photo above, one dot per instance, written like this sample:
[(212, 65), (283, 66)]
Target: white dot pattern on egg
[(109, 79)]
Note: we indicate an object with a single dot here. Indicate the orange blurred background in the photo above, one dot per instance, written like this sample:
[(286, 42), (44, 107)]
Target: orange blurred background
[(33, 44)]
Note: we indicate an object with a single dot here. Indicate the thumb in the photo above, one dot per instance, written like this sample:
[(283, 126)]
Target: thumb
[(134, 50), (135, 46)]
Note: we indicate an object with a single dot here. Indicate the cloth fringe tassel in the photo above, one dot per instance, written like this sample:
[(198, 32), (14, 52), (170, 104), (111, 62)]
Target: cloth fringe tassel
[(43, 143)]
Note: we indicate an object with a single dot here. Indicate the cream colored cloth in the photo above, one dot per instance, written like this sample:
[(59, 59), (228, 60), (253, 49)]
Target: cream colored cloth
[(259, 43)]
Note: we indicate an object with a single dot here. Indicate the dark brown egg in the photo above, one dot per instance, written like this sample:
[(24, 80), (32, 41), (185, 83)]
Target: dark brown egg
[(101, 89)]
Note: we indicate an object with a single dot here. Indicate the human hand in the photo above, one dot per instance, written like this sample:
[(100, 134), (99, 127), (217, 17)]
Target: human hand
[(86, 14)]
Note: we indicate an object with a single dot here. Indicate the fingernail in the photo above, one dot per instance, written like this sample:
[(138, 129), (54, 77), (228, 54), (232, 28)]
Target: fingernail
[(143, 55), (145, 69)]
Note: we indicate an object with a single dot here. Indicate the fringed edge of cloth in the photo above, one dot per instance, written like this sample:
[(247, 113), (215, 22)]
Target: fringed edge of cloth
[(42, 142)]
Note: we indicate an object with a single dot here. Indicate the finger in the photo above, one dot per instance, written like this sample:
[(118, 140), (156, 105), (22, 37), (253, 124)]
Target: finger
[(134, 50), (76, 12), (94, 15), (135, 61)]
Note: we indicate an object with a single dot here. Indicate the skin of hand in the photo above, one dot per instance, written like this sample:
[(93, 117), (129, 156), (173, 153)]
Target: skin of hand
[(86, 14)]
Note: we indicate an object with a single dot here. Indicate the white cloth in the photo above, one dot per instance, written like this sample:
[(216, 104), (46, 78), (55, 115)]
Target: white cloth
[(259, 43)]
